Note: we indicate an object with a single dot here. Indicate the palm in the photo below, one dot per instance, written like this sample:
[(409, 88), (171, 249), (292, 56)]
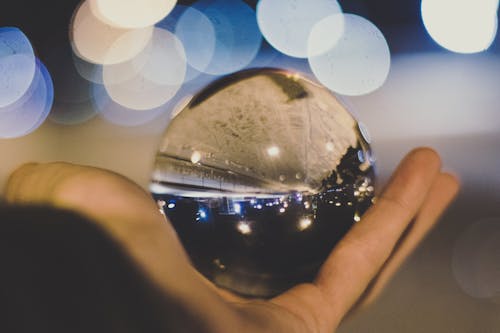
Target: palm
[(368, 255)]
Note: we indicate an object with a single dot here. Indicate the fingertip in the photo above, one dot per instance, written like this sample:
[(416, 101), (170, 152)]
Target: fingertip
[(451, 182), (426, 155), (414, 175), (452, 178)]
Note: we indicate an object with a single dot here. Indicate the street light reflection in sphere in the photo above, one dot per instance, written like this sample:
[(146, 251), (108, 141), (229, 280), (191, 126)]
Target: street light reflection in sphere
[(249, 151), (17, 65), (131, 14), (237, 34), (160, 74), (98, 42), (30, 111), (286, 25), (360, 61), (467, 26)]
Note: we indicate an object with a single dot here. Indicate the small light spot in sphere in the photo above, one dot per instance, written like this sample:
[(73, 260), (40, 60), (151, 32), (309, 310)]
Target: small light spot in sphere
[(273, 151), (357, 217), (244, 228), (218, 263), (305, 223), (195, 157)]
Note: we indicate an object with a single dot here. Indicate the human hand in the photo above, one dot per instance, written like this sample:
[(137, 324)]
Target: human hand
[(354, 273)]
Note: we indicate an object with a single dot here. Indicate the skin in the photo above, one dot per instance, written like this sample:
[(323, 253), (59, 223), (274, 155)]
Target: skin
[(353, 275)]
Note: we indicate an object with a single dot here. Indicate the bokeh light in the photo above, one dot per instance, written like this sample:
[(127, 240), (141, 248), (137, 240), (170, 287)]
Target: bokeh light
[(360, 61), (131, 13), (17, 65), (98, 42), (88, 70), (31, 110), (476, 259), (287, 24), (195, 29), (192, 38), (238, 37), (118, 114), (325, 35), (123, 71), (466, 26), (160, 74)]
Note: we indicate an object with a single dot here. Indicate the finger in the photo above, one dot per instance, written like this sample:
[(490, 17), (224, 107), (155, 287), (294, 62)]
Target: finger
[(358, 257), (443, 191)]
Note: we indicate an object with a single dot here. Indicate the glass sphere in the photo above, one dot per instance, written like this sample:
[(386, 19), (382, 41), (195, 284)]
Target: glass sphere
[(261, 174)]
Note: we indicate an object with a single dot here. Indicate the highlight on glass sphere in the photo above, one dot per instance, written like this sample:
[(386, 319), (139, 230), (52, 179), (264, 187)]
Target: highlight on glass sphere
[(261, 174)]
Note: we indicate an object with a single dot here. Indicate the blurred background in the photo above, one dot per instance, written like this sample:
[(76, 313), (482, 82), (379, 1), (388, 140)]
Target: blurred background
[(441, 90)]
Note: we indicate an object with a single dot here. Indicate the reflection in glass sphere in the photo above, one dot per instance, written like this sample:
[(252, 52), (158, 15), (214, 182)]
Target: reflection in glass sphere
[(261, 174)]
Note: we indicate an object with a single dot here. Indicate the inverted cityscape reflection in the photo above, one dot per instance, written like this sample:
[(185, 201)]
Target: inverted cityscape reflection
[(261, 174)]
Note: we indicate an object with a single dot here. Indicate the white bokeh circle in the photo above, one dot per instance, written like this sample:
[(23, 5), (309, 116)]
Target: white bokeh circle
[(286, 25), (91, 38), (131, 14), (466, 26), (358, 63), (157, 74)]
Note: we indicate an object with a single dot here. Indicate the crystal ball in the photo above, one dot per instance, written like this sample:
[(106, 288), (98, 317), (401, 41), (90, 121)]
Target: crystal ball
[(261, 174)]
